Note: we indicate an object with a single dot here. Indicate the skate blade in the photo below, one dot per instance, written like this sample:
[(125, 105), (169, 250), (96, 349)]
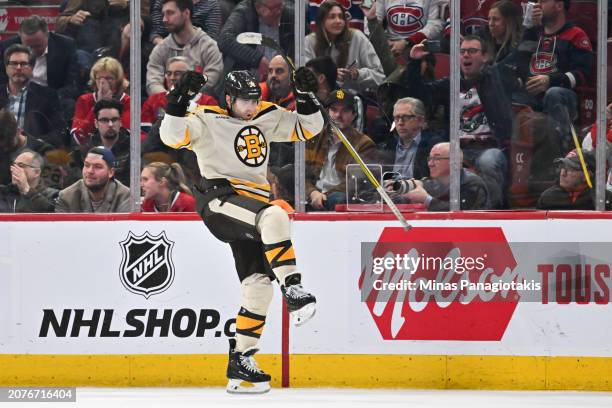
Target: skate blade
[(237, 386), (301, 316)]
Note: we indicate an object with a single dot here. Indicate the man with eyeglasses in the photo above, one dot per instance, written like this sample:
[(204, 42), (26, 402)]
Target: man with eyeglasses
[(434, 192), (37, 108), (27, 192), (405, 153), (154, 108), (486, 120), (112, 135)]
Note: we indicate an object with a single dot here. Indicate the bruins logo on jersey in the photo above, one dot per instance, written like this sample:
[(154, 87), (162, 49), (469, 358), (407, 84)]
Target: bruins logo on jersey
[(251, 146)]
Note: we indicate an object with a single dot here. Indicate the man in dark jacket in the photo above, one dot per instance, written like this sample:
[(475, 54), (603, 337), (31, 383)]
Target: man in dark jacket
[(36, 107), (572, 191), (272, 18), (27, 192), (434, 192), (555, 56), (486, 109), (407, 149), (56, 60)]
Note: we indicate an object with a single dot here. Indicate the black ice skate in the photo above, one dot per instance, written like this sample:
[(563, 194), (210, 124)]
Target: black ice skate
[(300, 304), (242, 368)]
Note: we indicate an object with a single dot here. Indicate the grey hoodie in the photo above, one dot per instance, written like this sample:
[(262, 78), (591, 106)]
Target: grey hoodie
[(202, 51)]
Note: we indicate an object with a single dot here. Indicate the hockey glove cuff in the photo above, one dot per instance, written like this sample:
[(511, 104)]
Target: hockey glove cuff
[(178, 98)]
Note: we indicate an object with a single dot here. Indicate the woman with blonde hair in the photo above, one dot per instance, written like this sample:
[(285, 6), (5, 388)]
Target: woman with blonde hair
[(108, 82), (164, 189)]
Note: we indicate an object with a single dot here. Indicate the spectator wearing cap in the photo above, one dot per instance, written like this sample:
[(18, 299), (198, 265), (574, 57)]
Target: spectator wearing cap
[(27, 192), (98, 191), (327, 158), (572, 191)]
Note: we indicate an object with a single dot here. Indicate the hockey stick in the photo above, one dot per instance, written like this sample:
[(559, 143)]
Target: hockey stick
[(587, 176), (259, 39)]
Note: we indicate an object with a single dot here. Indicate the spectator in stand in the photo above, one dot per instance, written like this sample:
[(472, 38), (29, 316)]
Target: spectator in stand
[(410, 22), (184, 40), (504, 30), (121, 52), (407, 149), (556, 57), (326, 71), (154, 108), (56, 61), (12, 142), (327, 158), (110, 134), (27, 192), (36, 108), (277, 87), (486, 109), (98, 191), (434, 192), (164, 189), (358, 65), (96, 23), (272, 18), (572, 191), (108, 82), (206, 15), (355, 11)]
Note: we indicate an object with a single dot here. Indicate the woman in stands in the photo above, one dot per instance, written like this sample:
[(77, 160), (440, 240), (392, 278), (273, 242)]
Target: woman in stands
[(505, 29), (108, 82), (164, 189), (358, 65)]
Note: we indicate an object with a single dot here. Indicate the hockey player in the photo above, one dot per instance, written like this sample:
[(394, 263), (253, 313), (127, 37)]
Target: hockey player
[(232, 148)]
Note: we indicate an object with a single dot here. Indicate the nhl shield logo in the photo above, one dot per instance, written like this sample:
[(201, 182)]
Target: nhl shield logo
[(146, 264)]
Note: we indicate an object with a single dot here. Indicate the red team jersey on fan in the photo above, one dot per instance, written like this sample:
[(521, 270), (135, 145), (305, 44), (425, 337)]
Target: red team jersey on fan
[(413, 20)]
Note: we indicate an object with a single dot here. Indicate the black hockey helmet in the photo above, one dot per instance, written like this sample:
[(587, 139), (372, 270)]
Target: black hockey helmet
[(242, 84)]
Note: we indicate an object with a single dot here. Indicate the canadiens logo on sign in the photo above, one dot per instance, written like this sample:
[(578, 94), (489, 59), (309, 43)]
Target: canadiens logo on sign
[(543, 63), (251, 146), (442, 314), (405, 19), (146, 263)]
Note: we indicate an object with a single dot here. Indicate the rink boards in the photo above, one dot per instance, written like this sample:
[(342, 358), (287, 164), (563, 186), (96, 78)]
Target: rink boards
[(135, 300)]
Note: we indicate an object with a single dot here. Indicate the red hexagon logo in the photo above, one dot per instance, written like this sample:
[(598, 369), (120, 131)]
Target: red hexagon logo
[(443, 314)]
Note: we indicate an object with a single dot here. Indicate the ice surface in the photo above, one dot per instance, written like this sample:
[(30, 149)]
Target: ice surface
[(324, 398)]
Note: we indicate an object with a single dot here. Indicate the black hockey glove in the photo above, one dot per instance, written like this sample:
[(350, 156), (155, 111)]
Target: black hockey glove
[(189, 85), (306, 85)]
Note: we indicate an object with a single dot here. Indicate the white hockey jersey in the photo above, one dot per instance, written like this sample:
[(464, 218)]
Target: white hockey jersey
[(412, 19), (235, 149)]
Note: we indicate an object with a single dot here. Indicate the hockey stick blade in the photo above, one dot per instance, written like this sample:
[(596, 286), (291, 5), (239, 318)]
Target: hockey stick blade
[(250, 38)]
